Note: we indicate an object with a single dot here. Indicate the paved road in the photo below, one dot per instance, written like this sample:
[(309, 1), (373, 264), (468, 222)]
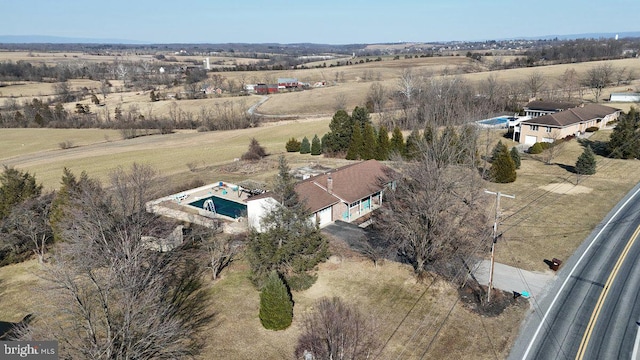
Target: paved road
[(592, 310)]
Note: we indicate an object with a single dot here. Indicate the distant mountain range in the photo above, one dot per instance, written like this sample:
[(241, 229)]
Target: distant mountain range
[(45, 39)]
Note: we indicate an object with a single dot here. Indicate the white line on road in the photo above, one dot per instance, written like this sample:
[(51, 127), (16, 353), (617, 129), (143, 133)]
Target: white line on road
[(634, 354), (566, 280)]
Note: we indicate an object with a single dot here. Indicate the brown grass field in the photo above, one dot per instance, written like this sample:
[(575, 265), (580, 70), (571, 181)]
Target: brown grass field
[(548, 218)]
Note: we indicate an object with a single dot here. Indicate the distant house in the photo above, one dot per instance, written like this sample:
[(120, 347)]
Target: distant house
[(540, 108), (346, 193), (573, 121), (287, 83), (624, 97)]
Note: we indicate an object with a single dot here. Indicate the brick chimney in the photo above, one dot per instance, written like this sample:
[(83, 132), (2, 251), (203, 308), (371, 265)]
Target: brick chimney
[(329, 184)]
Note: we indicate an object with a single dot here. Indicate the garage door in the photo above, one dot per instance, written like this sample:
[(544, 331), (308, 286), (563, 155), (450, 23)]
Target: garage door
[(324, 217), (530, 140)]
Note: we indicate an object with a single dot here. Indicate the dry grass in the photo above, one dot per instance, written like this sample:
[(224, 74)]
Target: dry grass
[(550, 217)]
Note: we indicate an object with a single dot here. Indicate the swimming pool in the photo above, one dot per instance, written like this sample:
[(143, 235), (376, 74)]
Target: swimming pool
[(221, 206), (499, 121)]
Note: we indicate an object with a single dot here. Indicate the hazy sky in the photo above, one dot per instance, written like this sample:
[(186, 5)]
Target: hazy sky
[(320, 21)]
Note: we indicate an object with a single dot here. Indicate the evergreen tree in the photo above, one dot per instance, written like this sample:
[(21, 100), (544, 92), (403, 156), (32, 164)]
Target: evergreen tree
[(586, 163), (356, 144), (503, 170), (289, 243), (276, 306), (16, 187), (397, 142), (305, 147), (316, 146), (293, 145), (427, 135), (368, 142), (412, 148), (624, 142), (339, 135), (515, 156), (382, 145), (360, 116), (496, 150)]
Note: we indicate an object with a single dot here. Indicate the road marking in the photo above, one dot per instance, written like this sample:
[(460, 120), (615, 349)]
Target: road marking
[(603, 295), (555, 298), (634, 354)]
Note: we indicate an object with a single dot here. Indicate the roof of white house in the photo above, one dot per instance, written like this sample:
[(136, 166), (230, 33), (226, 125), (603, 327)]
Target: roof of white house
[(573, 116)]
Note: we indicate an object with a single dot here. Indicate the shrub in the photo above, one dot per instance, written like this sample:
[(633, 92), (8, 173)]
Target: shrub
[(255, 152), (536, 148), (592, 129), (276, 307), (67, 144), (293, 145), (503, 169), (586, 164)]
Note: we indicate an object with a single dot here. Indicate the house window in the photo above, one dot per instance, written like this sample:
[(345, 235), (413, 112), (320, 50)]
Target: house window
[(548, 129), (533, 127)]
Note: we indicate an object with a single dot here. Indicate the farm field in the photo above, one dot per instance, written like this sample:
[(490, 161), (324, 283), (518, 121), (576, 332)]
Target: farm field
[(532, 230)]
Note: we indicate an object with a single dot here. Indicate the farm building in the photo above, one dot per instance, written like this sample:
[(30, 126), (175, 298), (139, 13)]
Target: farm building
[(264, 89), (624, 97), (287, 83), (346, 193), (573, 121)]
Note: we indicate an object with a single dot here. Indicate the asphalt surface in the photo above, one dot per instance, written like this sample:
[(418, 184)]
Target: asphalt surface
[(509, 278), (592, 309)]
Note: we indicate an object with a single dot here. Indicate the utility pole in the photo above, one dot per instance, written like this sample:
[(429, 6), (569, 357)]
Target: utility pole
[(495, 237)]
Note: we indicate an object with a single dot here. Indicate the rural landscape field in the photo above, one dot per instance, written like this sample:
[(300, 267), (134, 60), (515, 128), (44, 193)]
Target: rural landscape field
[(83, 126)]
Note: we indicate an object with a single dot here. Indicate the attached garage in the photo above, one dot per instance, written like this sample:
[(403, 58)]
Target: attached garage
[(324, 217), (530, 140)]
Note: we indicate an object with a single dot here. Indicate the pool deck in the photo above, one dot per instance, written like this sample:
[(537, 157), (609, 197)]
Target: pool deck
[(177, 206)]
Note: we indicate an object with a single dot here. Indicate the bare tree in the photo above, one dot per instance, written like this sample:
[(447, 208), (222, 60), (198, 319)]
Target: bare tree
[(535, 82), (569, 82), (111, 297), (30, 223), (340, 102), (556, 146), (338, 331), (377, 95), (597, 78), (435, 215)]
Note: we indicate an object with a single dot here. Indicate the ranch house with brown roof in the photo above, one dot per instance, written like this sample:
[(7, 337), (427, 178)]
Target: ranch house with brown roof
[(346, 193), (558, 125)]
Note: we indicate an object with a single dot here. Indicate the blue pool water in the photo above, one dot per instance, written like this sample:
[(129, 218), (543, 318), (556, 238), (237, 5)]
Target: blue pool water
[(501, 120), (222, 206)]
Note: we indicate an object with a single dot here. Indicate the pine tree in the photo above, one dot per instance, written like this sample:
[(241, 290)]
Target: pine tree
[(337, 139), (289, 242), (503, 170), (496, 150), (356, 144), (624, 142), (360, 116), (586, 163), (368, 142), (515, 156), (397, 142), (427, 135), (15, 187), (412, 147), (382, 145), (305, 147), (276, 307), (316, 146)]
